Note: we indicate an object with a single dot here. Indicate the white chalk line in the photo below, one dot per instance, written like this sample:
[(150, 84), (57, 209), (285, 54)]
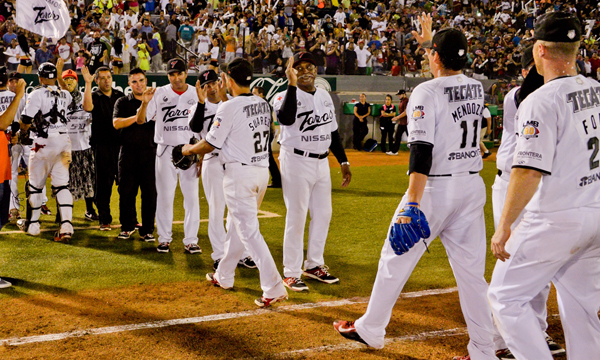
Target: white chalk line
[(356, 345), (261, 215), (201, 319)]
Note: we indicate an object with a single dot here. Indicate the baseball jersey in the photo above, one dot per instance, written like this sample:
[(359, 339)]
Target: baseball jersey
[(315, 120), (558, 129), (79, 126), (210, 110), (170, 111), (203, 43), (42, 100), (506, 151), (446, 113), (6, 98), (241, 131)]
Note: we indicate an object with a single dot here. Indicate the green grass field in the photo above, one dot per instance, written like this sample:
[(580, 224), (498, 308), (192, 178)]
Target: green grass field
[(98, 260)]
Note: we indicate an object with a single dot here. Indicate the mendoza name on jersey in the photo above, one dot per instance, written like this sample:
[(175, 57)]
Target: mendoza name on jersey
[(465, 93)]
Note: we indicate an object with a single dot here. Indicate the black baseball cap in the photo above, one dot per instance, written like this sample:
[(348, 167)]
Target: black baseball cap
[(304, 56), (176, 65), (450, 43), (557, 26), (207, 76), (400, 92), (527, 57), (240, 70)]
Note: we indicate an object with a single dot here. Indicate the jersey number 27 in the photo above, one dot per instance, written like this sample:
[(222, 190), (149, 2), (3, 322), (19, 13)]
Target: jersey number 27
[(258, 144)]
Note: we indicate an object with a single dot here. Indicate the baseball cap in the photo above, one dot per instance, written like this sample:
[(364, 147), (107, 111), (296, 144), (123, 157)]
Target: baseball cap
[(400, 92), (176, 65), (207, 76), (527, 57), (304, 56), (451, 43), (15, 76), (240, 70), (557, 27), (69, 73)]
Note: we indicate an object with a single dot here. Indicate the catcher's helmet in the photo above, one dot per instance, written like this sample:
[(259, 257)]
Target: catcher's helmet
[(47, 70)]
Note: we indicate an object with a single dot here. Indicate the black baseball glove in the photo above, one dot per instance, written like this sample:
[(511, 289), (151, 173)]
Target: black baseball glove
[(404, 236), (181, 161)]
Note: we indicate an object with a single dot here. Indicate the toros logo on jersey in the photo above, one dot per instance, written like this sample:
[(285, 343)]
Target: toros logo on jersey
[(530, 129), (418, 113)]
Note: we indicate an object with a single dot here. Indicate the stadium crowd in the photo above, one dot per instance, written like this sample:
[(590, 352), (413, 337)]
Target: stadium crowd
[(346, 37)]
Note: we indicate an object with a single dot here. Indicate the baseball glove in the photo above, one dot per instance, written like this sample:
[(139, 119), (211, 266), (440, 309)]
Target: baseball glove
[(181, 161), (404, 236)]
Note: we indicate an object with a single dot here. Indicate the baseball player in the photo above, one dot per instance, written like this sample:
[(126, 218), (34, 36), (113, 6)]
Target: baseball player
[(554, 177), (241, 131), (169, 106), (51, 152), (211, 93), (443, 124), (308, 131), (504, 159)]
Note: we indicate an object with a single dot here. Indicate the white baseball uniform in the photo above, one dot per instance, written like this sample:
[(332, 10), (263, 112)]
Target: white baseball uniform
[(79, 127), (170, 111), (212, 182), (446, 113), (305, 180), (50, 155), (241, 131), (558, 238), (504, 158)]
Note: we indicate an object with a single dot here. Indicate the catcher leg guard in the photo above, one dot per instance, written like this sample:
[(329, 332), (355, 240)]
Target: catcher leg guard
[(34, 206), (64, 201)]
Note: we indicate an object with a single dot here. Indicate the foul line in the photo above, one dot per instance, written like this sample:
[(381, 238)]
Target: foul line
[(208, 318), (355, 345), (261, 215)]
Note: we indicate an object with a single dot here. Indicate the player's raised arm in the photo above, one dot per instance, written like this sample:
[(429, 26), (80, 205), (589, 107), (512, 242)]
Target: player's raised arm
[(88, 104)]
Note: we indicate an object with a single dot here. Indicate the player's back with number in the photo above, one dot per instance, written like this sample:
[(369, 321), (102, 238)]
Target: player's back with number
[(42, 100), (241, 129), (558, 129), (446, 112)]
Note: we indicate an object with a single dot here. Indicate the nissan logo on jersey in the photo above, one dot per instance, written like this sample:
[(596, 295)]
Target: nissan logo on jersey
[(310, 122)]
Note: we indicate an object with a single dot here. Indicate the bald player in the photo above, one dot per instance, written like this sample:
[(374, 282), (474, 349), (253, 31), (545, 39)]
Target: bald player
[(554, 178), (241, 131), (444, 117), (309, 131)]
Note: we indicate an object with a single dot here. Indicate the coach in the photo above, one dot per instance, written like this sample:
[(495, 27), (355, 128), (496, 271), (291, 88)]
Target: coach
[(136, 161), (104, 139)]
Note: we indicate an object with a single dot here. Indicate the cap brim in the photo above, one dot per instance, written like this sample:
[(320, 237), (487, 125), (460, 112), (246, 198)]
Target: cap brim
[(304, 60)]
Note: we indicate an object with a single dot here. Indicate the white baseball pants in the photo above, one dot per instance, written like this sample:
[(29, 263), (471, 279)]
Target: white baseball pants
[(562, 247), (166, 184), (52, 158), (17, 152), (244, 188), (457, 217), (306, 184), (212, 182), (538, 303)]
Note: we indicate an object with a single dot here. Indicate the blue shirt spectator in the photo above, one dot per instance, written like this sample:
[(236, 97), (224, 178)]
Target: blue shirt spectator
[(43, 54), (186, 32), (7, 38)]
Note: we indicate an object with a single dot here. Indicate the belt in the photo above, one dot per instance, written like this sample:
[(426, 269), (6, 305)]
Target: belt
[(506, 176), (311, 155), (499, 172), (458, 174), (224, 168)]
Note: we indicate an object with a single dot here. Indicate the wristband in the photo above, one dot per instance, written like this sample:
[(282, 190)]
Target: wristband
[(412, 204), (345, 163)]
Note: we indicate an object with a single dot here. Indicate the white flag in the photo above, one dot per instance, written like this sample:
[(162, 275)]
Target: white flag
[(49, 18)]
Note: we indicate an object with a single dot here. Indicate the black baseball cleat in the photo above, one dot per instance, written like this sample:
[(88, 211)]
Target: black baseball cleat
[(247, 262), (347, 330), (555, 349)]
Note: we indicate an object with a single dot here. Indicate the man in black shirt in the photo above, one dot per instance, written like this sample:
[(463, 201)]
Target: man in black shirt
[(360, 129), (350, 60), (136, 161), (105, 138), (99, 52)]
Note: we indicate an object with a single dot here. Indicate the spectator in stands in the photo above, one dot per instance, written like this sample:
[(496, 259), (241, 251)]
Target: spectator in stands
[(98, 53), (333, 58), (43, 54), (12, 52), (186, 33), (350, 60), (65, 52), (363, 57)]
